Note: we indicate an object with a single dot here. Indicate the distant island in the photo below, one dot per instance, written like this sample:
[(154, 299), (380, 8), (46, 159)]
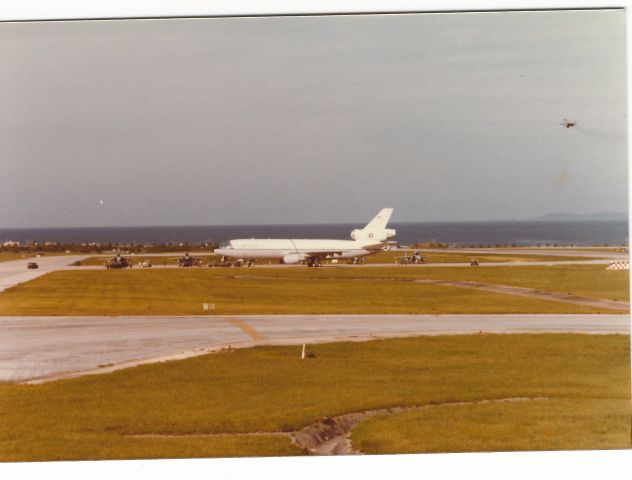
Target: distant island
[(584, 216)]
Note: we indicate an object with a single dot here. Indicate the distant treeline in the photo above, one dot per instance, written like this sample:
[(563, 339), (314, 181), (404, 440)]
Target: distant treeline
[(51, 247), (431, 244)]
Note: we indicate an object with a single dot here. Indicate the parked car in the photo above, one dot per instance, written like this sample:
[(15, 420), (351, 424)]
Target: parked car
[(32, 265)]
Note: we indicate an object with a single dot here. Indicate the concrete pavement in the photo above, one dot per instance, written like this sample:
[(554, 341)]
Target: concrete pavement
[(35, 349)]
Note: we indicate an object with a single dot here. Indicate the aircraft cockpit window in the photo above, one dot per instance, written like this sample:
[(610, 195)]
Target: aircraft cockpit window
[(225, 245)]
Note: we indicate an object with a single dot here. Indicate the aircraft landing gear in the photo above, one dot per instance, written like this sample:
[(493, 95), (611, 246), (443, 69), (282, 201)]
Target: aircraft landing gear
[(314, 263)]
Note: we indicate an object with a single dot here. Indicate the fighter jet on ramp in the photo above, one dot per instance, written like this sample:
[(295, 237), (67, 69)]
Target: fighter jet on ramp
[(366, 241)]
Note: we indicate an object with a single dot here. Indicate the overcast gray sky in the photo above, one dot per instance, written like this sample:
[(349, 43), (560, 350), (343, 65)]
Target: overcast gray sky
[(312, 119)]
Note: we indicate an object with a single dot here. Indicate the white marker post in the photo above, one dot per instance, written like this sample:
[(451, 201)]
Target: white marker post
[(303, 354)]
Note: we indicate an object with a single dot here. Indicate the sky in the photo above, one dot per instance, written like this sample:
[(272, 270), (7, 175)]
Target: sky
[(323, 119)]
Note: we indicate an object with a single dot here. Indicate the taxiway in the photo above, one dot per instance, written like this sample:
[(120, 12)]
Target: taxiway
[(36, 349)]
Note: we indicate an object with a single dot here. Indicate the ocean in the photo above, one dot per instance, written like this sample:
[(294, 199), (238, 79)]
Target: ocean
[(519, 233)]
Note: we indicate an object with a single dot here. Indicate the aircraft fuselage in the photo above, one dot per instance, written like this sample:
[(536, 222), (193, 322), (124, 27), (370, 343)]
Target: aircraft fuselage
[(281, 248)]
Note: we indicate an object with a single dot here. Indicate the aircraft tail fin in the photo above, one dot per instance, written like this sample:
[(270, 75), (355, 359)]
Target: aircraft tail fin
[(380, 220), (376, 229)]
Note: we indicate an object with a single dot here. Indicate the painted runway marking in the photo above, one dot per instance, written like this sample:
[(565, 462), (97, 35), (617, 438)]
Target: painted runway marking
[(246, 328)]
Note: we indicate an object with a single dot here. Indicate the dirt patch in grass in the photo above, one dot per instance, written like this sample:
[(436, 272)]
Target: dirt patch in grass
[(330, 436)]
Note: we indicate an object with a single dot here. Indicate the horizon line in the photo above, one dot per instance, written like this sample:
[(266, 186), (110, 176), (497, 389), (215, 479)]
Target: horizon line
[(532, 219)]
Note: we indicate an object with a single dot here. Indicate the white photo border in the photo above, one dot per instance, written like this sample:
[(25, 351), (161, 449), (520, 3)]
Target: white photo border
[(527, 465)]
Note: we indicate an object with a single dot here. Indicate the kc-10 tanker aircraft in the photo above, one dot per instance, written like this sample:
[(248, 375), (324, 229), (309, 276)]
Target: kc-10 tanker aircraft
[(366, 241)]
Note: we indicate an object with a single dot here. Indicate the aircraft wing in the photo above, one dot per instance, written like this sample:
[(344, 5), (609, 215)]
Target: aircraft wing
[(322, 253)]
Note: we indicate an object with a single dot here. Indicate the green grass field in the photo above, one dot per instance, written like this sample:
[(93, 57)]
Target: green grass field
[(7, 256), (535, 425), (585, 379), (302, 290), (585, 280)]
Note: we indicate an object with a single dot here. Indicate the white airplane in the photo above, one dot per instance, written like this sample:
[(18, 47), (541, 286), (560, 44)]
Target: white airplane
[(366, 241)]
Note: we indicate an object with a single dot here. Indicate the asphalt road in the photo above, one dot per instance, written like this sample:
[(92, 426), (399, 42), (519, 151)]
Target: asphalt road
[(14, 272), (36, 349)]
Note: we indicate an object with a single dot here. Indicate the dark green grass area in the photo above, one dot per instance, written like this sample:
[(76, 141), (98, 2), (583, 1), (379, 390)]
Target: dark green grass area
[(282, 291), (270, 389)]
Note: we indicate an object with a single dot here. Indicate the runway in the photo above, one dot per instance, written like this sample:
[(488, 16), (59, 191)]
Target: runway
[(37, 349)]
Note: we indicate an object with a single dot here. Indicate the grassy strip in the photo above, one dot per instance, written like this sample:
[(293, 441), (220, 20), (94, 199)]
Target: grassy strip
[(459, 257), (183, 291), (585, 280), (622, 248), (270, 389), (69, 445), (569, 424), (8, 256)]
